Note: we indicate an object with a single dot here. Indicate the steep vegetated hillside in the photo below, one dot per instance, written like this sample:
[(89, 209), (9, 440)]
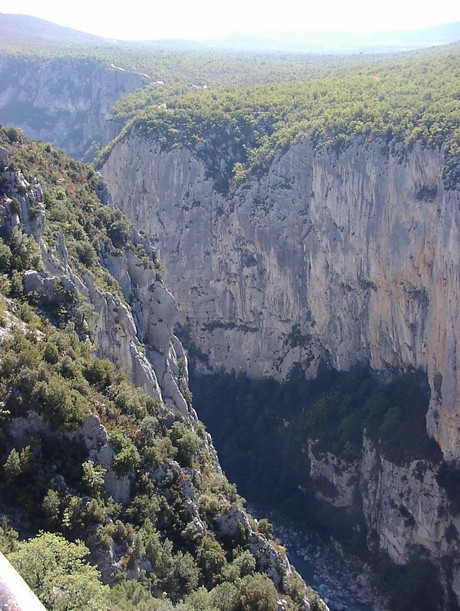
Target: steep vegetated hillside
[(311, 226), (111, 494)]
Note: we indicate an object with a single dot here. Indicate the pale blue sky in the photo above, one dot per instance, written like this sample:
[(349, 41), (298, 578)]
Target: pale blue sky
[(141, 19)]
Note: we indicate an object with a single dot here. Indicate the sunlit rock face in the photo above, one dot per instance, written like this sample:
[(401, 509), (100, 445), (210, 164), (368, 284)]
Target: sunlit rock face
[(341, 256)]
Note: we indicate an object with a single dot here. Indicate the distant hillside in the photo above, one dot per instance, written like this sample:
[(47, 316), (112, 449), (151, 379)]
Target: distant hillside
[(31, 31), (22, 29)]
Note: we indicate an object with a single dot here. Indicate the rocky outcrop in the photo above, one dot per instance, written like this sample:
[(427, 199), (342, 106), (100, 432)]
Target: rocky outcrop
[(64, 101), (93, 436), (138, 339), (403, 509), (153, 312), (336, 256), (404, 517)]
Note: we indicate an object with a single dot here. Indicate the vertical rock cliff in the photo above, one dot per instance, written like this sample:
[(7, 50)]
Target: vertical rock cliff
[(338, 256)]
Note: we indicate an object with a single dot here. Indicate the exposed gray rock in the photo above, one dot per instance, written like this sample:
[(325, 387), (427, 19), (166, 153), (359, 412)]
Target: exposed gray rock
[(94, 437), (402, 505), (343, 257), (269, 559), (102, 191), (32, 425), (118, 487), (230, 521), (93, 434), (46, 285), (342, 476)]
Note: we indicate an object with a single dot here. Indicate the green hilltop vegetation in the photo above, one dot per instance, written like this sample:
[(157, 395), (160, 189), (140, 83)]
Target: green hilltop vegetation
[(76, 546), (192, 69), (239, 109), (408, 99)]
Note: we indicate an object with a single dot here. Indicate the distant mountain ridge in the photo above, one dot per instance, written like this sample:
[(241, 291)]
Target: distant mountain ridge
[(28, 30), (25, 29)]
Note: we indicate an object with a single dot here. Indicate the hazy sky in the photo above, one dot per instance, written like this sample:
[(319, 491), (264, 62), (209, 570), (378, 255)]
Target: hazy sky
[(141, 19)]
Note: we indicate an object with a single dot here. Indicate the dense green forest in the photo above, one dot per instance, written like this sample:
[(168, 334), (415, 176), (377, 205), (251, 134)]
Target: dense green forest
[(237, 110), (181, 70), (162, 548)]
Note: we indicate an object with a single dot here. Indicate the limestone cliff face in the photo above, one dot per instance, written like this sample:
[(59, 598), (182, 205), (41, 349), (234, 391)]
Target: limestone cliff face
[(64, 101), (338, 256)]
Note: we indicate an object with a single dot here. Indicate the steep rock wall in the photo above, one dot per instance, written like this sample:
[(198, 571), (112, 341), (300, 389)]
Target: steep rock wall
[(64, 101), (330, 255)]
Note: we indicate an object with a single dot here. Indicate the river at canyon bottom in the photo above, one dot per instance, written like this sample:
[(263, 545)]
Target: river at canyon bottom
[(344, 584)]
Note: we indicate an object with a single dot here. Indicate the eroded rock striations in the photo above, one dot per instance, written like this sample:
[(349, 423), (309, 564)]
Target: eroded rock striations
[(341, 257)]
